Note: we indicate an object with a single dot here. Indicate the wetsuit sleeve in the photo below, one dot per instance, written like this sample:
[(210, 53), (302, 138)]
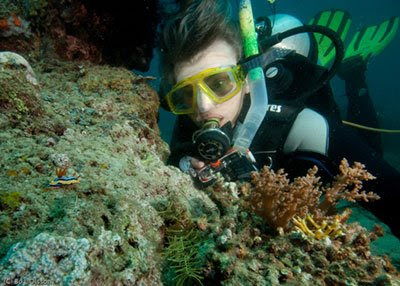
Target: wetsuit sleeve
[(360, 108), (309, 132)]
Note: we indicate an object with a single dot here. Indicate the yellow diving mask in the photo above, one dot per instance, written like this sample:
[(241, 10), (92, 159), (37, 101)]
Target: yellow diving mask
[(219, 84)]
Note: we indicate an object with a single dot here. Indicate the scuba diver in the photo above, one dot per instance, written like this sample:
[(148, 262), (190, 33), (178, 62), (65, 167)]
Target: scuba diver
[(221, 124)]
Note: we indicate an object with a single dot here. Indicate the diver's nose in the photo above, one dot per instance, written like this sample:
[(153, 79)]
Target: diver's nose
[(204, 103)]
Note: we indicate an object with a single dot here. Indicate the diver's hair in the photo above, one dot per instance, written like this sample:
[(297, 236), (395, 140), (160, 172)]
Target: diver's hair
[(193, 29)]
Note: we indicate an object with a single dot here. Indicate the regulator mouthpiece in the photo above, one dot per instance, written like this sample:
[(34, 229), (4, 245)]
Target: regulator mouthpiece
[(211, 141)]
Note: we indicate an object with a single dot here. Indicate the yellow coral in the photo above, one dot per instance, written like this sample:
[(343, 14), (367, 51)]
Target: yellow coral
[(332, 228)]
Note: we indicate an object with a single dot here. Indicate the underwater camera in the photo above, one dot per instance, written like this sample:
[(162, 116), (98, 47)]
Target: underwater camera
[(233, 166), (213, 144)]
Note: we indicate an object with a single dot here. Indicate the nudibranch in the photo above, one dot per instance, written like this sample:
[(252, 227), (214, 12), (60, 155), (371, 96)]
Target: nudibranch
[(62, 180)]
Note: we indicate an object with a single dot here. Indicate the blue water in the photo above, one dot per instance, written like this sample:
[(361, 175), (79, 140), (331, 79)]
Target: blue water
[(382, 72)]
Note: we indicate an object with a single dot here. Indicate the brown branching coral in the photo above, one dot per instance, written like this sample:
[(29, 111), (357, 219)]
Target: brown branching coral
[(277, 199), (274, 197), (347, 185)]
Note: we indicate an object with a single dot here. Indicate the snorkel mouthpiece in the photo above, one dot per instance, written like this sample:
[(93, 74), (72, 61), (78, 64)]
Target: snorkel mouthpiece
[(211, 141)]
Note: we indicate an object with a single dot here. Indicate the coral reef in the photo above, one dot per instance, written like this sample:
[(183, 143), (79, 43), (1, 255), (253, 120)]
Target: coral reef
[(331, 227), (242, 250), (10, 200), (101, 123), (278, 200), (132, 220), (19, 94), (182, 255), (61, 260), (127, 218), (14, 26), (185, 246), (80, 30)]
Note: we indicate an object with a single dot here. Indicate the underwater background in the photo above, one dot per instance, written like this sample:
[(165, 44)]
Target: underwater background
[(382, 72), (87, 199)]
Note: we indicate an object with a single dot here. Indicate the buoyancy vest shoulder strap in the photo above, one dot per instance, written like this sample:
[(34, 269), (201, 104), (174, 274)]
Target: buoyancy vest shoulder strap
[(273, 132)]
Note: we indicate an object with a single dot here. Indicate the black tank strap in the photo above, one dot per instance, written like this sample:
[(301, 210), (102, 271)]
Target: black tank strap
[(273, 132)]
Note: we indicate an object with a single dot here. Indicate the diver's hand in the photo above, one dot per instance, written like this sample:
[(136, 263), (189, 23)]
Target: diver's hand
[(352, 68), (197, 164), (188, 164)]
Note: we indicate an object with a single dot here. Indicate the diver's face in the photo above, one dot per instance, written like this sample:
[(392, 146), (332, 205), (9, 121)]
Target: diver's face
[(218, 54)]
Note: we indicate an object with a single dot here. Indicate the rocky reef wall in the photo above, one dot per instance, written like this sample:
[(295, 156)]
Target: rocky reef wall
[(99, 124)]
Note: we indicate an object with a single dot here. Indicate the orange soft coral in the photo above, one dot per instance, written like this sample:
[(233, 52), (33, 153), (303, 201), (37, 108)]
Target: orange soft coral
[(347, 185), (274, 197)]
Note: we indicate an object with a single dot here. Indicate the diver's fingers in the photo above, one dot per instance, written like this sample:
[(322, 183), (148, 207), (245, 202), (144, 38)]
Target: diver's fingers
[(197, 164)]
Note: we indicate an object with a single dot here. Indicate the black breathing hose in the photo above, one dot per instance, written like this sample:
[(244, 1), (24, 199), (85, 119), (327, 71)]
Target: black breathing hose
[(331, 34)]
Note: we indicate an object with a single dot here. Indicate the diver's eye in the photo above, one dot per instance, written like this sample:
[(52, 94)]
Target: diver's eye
[(221, 84)]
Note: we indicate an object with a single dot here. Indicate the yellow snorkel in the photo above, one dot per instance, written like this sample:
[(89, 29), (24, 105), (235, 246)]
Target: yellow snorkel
[(256, 80)]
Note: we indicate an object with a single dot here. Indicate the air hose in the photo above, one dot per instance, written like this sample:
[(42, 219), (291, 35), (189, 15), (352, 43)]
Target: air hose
[(370, 128), (258, 91), (337, 42)]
